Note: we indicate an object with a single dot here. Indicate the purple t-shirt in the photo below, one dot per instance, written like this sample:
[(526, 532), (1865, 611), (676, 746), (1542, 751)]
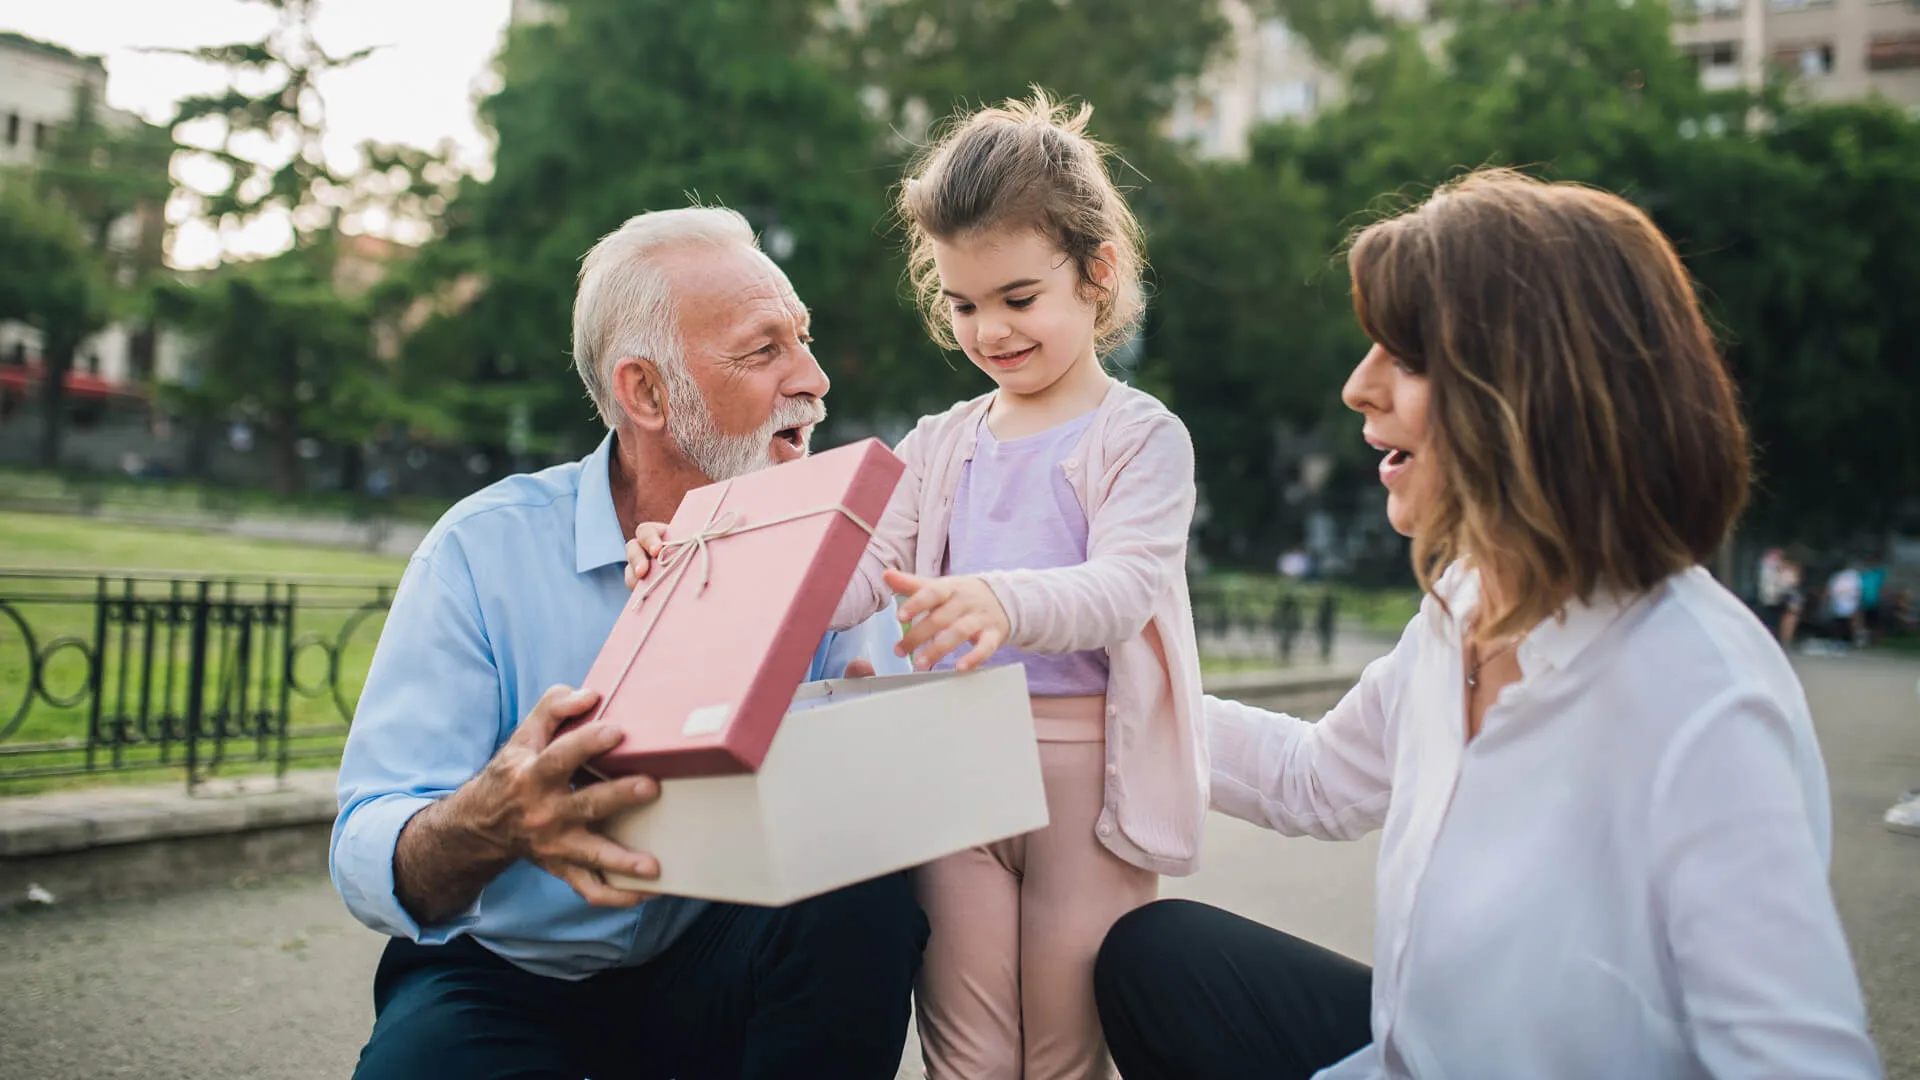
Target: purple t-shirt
[(1014, 510)]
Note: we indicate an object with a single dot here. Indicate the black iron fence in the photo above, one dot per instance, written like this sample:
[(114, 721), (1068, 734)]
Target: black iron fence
[(1235, 621), (103, 673)]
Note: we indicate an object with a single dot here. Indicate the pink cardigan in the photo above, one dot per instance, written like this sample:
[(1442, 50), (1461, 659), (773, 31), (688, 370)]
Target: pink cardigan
[(1133, 473)]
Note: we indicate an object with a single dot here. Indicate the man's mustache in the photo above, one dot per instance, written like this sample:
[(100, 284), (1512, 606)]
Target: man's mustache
[(794, 413)]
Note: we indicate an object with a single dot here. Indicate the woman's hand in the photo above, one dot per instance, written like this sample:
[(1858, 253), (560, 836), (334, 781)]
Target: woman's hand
[(643, 549), (946, 613)]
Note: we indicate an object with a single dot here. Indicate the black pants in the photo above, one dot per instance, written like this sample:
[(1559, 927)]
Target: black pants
[(814, 990), (1189, 991)]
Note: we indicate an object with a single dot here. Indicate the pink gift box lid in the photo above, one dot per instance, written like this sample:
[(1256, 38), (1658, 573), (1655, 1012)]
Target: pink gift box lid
[(702, 664)]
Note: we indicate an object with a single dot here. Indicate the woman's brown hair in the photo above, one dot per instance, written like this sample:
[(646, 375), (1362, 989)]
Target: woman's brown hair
[(1587, 433), (1026, 165)]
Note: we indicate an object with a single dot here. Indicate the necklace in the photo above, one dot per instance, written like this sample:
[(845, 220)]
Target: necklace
[(1473, 673)]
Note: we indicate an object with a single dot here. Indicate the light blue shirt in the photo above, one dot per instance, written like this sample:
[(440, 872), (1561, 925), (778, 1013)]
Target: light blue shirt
[(513, 591)]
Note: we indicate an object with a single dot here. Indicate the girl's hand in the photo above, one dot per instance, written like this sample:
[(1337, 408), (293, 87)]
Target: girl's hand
[(641, 550), (950, 611)]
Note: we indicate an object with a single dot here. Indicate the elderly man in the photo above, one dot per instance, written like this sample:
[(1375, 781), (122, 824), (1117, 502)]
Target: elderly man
[(461, 833)]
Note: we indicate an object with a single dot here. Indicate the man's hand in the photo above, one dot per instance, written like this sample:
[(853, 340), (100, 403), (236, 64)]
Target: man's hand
[(643, 549), (523, 805), (524, 801), (950, 612)]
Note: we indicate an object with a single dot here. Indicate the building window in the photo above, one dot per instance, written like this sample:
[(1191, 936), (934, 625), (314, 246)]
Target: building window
[(1287, 99), (1276, 38), (1798, 5), (13, 129), (1894, 52), (1719, 63), (1716, 9), (39, 135), (1810, 60)]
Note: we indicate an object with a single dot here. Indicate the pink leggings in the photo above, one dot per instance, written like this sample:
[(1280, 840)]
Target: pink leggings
[(1006, 988)]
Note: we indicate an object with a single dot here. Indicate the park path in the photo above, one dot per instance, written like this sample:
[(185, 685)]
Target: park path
[(271, 982)]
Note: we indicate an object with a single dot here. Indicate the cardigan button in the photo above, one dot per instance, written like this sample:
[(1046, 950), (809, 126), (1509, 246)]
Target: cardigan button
[(1113, 770), (1104, 829)]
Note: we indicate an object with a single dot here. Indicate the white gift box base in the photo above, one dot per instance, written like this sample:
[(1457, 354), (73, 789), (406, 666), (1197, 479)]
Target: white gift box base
[(864, 777)]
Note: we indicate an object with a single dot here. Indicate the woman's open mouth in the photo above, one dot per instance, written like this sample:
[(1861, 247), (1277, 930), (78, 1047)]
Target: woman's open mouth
[(1395, 463)]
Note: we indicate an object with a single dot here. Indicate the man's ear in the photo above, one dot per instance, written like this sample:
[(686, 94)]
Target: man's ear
[(642, 394)]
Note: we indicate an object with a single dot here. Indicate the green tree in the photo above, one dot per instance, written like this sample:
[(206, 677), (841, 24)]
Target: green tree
[(287, 340), (50, 280), (1129, 58), (280, 344), (104, 176), (730, 103)]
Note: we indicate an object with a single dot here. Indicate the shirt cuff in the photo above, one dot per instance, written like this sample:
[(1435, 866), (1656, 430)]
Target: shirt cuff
[(1233, 747), (1001, 584), (367, 837)]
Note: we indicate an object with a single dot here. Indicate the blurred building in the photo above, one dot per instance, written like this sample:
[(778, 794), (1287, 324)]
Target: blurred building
[(1837, 49), (40, 87)]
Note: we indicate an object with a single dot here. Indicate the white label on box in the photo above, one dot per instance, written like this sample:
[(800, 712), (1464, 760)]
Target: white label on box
[(707, 721)]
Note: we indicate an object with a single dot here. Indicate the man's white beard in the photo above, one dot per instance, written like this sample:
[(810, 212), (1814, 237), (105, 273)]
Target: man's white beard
[(720, 456)]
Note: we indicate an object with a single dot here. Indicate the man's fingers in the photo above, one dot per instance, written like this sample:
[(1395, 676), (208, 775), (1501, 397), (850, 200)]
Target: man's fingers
[(584, 847), (602, 800), (638, 563), (559, 703), (560, 760), (651, 536), (594, 890)]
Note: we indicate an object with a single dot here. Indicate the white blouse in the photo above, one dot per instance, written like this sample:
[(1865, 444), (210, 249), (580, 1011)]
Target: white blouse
[(1623, 875)]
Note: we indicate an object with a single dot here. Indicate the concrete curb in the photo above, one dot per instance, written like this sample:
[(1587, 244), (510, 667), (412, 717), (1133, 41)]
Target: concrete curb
[(87, 818)]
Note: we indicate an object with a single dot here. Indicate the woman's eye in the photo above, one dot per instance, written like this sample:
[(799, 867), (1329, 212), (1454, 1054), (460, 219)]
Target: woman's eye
[(1020, 303)]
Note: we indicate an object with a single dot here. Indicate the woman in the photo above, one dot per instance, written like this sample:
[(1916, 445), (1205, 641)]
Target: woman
[(1605, 815)]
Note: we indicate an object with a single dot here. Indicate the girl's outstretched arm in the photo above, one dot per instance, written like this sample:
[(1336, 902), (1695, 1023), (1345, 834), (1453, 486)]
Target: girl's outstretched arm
[(1135, 543)]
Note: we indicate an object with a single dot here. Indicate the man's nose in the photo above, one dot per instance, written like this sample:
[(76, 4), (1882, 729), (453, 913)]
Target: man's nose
[(808, 377)]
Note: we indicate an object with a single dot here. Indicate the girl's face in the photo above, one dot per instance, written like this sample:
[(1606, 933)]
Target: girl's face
[(1394, 401), (1019, 311)]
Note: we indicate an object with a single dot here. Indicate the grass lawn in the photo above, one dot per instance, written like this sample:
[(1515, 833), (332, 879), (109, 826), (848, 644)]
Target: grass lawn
[(337, 590)]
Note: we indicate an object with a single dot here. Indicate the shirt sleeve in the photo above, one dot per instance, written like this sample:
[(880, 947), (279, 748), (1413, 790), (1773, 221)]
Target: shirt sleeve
[(894, 545), (1136, 541), (1740, 877), (428, 721), (1330, 779), (872, 640)]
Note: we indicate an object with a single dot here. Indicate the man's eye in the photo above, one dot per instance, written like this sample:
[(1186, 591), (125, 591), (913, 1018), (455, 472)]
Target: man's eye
[(768, 349)]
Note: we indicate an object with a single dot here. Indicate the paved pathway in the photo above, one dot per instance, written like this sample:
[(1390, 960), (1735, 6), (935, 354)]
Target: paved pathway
[(272, 982)]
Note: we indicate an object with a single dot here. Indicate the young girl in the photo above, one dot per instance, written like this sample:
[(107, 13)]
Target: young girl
[(1044, 523)]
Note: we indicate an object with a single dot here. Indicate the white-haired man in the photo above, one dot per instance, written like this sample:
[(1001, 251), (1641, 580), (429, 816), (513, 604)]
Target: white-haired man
[(461, 834)]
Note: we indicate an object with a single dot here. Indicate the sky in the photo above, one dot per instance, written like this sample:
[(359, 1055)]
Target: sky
[(419, 89)]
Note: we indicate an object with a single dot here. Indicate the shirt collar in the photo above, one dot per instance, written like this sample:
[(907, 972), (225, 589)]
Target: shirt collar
[(597, 539), (1555, 641)]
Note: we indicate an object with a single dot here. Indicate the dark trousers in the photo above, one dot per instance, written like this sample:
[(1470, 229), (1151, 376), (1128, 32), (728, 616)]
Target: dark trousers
[(1189, 991), (817, 989)]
